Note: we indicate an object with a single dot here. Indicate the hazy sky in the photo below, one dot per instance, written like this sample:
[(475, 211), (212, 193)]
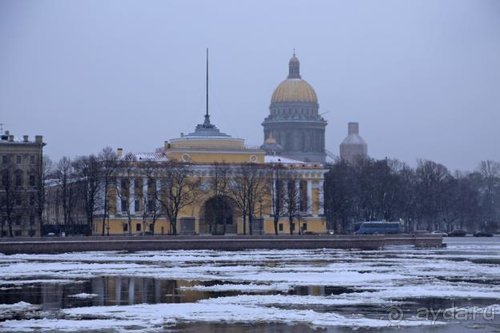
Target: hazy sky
[(421, 77)]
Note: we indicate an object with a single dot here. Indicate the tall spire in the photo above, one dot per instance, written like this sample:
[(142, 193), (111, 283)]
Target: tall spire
[(294, 67), (206, 123)]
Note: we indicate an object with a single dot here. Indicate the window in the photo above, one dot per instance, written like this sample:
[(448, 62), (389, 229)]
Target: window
[(19, 179), (32, 199), (138, 227), (124, 205), (5, 159), (18, 233), (136, 205), (32, 159), (151, 228), (280, 227), (18, 220), (125, 227), (32, 180), (304, 226), (5, 178), (32, 219), (303, 196), (19, 159), (18, 201)]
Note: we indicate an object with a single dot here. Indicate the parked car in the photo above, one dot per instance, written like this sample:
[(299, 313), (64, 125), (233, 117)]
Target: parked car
[(438, 232), (483, 234), (457, 233)]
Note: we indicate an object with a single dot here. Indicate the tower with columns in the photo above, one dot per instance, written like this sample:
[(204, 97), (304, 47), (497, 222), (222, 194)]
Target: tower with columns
[(353, 147)]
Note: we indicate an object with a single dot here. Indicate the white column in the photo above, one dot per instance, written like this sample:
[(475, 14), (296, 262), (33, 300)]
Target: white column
[(145, 193), (118, 198), (285, 196), (158, 193), (100, 197), (298, 194), (321, 210), (309, 197), (273, 195), (131, 197)]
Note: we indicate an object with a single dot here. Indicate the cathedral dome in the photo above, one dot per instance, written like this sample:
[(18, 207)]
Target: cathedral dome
[(294, 89)]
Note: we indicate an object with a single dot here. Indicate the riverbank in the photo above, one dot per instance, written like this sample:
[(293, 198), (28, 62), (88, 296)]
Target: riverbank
[(234, 242)]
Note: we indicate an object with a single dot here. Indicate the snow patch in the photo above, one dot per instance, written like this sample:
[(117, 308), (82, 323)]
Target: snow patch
[(84, 295)]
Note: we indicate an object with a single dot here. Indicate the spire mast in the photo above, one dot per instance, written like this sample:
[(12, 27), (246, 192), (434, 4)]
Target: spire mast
[(206, 123), (206, 115)]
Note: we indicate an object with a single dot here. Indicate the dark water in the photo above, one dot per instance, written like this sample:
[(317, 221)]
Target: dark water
[(116, 290), (472, 327)]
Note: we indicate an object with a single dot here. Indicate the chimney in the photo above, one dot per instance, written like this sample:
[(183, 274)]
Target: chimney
[(353, 128), (7, 133), (119, 152), (38, 139), (11, 138), (25, 138)]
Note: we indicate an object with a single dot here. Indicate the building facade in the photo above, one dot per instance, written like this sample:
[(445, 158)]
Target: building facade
[(21, 188), (231, 189), (294, 121)]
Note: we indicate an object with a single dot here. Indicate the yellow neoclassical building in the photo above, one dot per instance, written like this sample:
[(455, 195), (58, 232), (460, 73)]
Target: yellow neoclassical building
[(228, 188), (207, 182)]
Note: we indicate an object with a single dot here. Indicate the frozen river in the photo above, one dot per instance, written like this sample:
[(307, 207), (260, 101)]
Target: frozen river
[(454, 289)]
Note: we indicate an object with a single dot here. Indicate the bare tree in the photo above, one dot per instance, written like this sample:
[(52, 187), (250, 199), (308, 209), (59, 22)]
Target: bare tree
[(179, 189), (219, 185), (64, 174), (44, 170), (490, 194), (108, 160), (238, 190), (247, 189), (339, 195), (292, 199), (88, 171), (150, 199), (432, 181), (277, 191)]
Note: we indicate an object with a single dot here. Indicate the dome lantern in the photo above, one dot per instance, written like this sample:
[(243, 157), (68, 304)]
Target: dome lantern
[(294, 67)]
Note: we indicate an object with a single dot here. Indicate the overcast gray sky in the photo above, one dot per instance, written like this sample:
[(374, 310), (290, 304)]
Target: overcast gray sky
[(421, 77)]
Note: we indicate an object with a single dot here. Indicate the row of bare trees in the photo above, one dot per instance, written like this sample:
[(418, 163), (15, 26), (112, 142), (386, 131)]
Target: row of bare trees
[(427, 197), (151, 189)]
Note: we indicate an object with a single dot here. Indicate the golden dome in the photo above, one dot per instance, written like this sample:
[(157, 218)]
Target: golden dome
[(294, 90)]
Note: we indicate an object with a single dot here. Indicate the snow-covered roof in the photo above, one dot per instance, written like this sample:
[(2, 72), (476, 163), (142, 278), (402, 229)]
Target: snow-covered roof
[(156, 156), (280, 159)]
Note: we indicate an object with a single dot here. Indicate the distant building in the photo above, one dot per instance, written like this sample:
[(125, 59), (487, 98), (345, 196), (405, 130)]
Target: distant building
[(294, 122), (353, 147), (21, 185), (54, 213)]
